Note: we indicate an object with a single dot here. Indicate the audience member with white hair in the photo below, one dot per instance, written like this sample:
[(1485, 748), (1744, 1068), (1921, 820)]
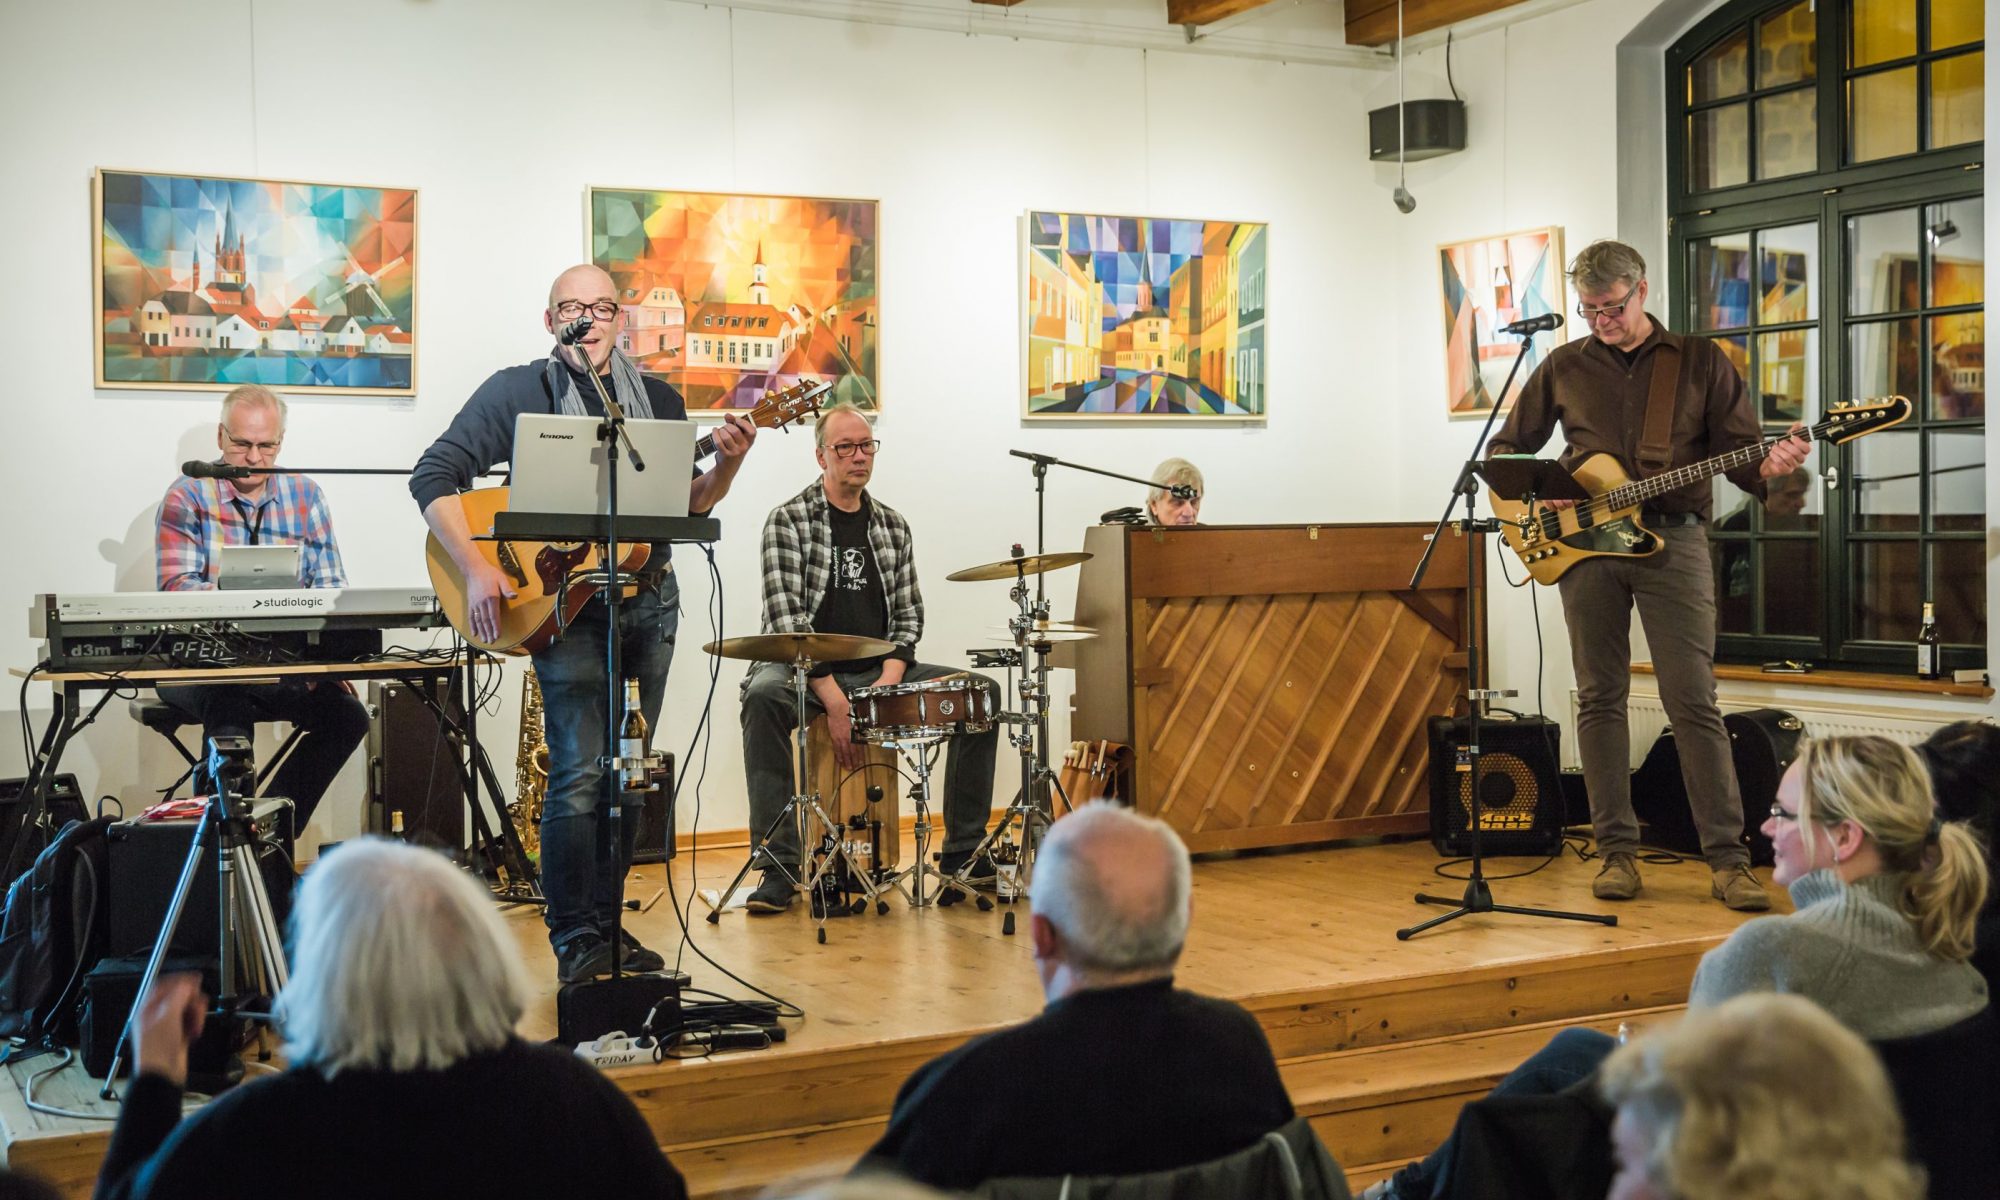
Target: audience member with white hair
[(1122, 1073), (1764, 1095), (405, 1077)]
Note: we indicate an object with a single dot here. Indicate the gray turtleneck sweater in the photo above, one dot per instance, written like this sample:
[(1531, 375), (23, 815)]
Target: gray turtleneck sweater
[(1848, 948)]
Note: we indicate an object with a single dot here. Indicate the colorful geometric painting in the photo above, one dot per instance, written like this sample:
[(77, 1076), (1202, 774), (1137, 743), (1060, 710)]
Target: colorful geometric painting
[(1144, 317), (727, 297), (1488, 283), (209, 283)]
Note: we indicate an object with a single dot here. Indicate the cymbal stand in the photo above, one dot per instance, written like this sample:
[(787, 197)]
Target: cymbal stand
[(921, 754), (804, 810)]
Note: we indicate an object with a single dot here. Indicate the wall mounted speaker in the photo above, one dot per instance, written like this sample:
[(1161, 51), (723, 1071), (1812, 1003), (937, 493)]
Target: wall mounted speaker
[(1430, 128)]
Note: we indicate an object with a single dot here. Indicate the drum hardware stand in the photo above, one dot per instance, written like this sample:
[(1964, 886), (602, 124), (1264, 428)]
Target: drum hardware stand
[(922, 756), (1509, 479), (249, 924)]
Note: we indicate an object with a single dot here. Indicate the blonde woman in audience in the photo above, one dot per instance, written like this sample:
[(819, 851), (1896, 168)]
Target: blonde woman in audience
[(1765, 1097), (406, 1077)]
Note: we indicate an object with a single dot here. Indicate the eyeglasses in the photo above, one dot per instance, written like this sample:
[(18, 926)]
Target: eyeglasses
[(242, 447), (1779, 813), (570, 310), (1590, 315), (849, 449)]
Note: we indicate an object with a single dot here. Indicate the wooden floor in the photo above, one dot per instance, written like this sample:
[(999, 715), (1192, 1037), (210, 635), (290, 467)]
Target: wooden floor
[(1380, 1041)]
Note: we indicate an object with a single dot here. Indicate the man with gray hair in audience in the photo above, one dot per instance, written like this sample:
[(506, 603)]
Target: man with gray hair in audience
[(1146, 1077)]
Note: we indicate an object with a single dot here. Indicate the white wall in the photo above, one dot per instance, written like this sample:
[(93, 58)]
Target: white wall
[(474, 104)]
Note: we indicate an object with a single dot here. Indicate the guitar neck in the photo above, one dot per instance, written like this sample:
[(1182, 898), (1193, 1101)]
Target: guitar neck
[(1641, 490), (704, 447)]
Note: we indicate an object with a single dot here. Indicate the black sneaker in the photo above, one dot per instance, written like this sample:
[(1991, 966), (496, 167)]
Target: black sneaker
[(636, 958), (585, 956), (980, 875), (774, 895)]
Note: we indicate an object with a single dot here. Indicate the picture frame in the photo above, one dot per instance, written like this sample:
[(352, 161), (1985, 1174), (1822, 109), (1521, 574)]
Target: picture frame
[(1486, 283)]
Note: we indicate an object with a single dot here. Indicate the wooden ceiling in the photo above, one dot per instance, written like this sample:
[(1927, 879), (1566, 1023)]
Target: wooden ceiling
[(1368, 22)]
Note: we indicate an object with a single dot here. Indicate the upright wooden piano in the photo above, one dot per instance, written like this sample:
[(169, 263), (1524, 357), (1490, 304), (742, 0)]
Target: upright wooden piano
[(1273, 681)]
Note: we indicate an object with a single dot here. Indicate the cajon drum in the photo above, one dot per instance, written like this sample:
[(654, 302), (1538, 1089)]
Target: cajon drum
[(851, 798)]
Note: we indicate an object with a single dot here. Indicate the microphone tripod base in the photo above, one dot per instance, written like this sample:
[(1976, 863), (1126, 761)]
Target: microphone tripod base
[(1478, 898)]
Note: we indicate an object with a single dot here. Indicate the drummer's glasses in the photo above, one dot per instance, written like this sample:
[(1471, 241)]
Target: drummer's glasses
[(849, 449)]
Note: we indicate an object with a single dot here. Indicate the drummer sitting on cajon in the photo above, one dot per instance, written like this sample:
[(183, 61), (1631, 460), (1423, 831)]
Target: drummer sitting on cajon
[(836, 560)]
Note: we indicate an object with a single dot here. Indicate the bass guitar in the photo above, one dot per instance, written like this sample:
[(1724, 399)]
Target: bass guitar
[(1549, 541), (552, 579)]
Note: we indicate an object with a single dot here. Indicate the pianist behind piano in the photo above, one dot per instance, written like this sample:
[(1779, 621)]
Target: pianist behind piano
[(200, 516)]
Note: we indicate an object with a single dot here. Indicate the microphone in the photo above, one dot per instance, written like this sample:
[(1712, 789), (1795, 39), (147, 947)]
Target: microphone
[(214, 470), (1043, 459), (1181, 491), (573, 332), (874, 793), (1534, 325)]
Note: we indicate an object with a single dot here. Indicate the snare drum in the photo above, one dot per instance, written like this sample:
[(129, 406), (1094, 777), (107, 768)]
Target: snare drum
[(921, 711)]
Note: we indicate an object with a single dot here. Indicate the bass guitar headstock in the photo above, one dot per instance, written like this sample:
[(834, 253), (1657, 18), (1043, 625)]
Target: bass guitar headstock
[(1846, 421)]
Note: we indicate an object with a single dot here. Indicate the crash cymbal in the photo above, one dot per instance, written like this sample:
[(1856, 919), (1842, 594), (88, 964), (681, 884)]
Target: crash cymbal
[(798, 647), (1006, 568), (1051, 631)]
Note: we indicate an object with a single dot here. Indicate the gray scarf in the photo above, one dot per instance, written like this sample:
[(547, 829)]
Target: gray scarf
[(628, 387)]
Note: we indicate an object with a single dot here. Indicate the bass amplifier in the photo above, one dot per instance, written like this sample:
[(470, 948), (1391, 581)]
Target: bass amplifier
[(1520, 786), (146, 858), (1763, 742)]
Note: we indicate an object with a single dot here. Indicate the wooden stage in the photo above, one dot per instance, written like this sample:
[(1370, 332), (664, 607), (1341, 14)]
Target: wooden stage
[(1380, 1041)]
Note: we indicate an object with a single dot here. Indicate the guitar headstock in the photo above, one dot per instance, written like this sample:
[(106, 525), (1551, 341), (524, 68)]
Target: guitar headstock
[(1847, 421), (797, 402)]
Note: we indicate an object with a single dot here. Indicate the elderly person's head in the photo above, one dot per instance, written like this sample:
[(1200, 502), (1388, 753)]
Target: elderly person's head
[(1110, 900), (401, 962), (866, 1186), (1764, 1095), (1162, 505)]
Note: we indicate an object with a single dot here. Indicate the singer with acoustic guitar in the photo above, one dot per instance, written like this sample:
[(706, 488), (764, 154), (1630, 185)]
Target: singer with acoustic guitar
[(1655, 401), (582, 874)]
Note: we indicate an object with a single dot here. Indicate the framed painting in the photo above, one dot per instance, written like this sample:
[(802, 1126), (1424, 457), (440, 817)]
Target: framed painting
[(1487, 283), (728, 296), (209, 282), (1143, 318)]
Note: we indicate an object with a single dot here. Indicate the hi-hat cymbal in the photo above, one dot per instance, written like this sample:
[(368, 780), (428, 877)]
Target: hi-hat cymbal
[(1007, 568), (1051, 631), (799, 647)]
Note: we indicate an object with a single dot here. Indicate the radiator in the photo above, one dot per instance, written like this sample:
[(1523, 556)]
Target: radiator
[(1648, 718)]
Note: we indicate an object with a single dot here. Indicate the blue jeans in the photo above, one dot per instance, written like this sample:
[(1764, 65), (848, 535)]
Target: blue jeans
[(583, 879)]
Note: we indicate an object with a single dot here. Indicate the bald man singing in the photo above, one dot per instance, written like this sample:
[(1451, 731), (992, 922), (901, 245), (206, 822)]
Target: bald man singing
[(1147, 1077), (582, 873)]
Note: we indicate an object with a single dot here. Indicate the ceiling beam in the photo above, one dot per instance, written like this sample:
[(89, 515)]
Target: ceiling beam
[(1207, 12), (1373, 22)]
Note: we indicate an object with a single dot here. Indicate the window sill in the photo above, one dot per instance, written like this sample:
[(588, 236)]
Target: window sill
[(1853, 680)]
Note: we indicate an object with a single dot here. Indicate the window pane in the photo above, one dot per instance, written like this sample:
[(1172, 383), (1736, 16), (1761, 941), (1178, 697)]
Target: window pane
[(1735, 585), (1723, 71), (1887, 601), (1787, 374), (1958, 97), (1791, 586), (1792, 502), (1956, 233), (1787, 46), (1884, 359), (1722, 282), (1882, 115), (1883, 484), (1958, 586), (1719, 147), (1882, 262), (1958, 366), (1958, 480), (1787, 134), (1881, 30), (1737, 351), (1787, 283), (1955, 22)]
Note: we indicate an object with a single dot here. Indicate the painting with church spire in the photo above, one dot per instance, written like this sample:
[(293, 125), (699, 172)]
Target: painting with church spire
[(727, 297), (209, 282), (1144, 318)]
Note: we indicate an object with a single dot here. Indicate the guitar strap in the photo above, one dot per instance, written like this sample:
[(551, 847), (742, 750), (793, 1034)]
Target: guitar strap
[(1656, 439)]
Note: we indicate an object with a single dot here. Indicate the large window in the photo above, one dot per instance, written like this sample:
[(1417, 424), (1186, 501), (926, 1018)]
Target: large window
[(1827, 230)]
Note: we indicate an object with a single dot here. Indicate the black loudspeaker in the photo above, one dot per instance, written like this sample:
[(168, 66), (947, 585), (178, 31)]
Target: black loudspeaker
[(146, 859), (1430, 128), (655, 838), (109, 992), (1763, 742), (65, 804), (413, 768), (1520, 793), (588, 1010)]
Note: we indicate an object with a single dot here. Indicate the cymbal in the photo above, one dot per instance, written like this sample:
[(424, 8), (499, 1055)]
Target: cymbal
[(1052, 631), (1006, 568), (797, 647)]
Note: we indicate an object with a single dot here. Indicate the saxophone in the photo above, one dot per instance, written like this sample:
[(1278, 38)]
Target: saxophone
[(531, 769)]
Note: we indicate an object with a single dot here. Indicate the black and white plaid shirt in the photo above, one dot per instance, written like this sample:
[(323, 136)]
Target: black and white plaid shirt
[(798, 566)]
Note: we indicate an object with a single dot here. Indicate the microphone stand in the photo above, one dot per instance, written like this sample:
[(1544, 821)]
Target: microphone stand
[(1041, 469), (1478, 897)]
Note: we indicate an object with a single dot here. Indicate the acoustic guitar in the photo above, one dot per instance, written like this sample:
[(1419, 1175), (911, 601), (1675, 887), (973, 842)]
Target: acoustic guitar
[(552, 579), (1549, 541)]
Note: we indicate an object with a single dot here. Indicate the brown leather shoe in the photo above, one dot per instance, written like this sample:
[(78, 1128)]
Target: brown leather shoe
[(1738, 888), (1618, 878)]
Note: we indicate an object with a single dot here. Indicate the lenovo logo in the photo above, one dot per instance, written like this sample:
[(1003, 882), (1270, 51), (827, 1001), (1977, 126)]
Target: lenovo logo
[(556, 437)]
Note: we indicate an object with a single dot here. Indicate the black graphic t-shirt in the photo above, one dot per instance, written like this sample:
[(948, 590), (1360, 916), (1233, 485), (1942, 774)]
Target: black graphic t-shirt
[(856, 602)]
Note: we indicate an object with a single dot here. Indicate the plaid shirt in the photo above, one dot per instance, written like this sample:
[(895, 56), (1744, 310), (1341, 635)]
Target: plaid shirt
[(798, 566), (201, 516)]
